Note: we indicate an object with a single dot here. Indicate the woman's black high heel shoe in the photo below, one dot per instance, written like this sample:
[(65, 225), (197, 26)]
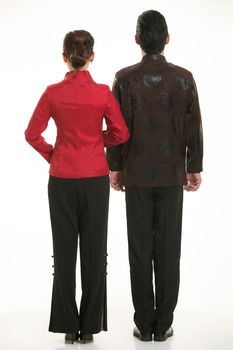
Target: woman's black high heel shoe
[(85, 338), (70, 338)]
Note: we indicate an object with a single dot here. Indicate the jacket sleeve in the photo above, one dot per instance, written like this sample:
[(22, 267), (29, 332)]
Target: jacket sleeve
[(194, 133), (37, 124), (115, 154), (117, 131)]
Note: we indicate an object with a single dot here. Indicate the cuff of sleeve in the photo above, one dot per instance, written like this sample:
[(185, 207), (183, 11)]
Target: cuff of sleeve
[(195, 170), (114, 166), (49, 157)]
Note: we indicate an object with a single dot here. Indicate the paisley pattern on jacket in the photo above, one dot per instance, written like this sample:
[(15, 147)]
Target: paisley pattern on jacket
[(159, 101)]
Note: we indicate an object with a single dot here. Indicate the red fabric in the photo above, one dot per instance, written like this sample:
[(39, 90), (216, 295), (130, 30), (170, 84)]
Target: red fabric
[(78, 106)]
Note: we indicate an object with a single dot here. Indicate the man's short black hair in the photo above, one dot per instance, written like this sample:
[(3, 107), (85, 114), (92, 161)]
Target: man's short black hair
[(152, 31)]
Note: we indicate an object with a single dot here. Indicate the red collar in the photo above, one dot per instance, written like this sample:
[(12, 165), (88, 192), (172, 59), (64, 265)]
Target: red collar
[(83, 76)]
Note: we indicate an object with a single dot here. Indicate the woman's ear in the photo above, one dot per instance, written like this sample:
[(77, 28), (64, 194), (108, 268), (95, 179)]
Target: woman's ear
[(92, 57), (167, 39), (65, 59)]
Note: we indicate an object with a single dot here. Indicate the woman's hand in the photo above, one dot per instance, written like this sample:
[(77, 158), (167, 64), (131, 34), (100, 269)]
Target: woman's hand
[(116, 181)]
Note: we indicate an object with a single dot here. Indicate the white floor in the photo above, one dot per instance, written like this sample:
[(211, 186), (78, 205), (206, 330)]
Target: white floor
[(193, 330)]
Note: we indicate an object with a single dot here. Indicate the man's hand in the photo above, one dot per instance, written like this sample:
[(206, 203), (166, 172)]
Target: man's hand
[(116, 181), (194, 182)]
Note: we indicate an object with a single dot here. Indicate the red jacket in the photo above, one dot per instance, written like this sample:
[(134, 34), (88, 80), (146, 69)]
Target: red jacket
[(78, 106)]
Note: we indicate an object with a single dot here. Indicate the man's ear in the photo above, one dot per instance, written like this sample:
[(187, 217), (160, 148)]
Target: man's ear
[(137, 39), (167, 39)]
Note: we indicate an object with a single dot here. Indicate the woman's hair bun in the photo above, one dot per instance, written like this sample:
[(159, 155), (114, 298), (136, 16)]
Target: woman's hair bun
[(78, 47), (77, 61)]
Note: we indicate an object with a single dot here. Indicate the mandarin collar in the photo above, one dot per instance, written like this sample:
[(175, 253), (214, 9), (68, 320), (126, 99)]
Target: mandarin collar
[(153, 57), (81, 75)]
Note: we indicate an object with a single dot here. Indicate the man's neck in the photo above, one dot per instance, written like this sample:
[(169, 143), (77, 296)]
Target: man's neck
[(144, 53)]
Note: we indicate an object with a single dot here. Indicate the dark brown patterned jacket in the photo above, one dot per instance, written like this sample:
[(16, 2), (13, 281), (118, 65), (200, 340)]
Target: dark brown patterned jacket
[(159, 102)]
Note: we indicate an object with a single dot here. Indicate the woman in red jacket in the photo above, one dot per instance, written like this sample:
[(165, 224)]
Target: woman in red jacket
[(78, 187)]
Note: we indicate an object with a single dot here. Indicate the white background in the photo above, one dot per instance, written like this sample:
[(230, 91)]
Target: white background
[(31, 35)]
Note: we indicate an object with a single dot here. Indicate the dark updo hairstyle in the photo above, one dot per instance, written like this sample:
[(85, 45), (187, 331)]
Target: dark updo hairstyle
[(78, 47), (152, 31)]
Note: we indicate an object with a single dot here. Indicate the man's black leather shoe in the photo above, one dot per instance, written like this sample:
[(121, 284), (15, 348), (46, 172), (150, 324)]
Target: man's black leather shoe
[(70, 338), (142, 336), (163, 336), (85, 338)]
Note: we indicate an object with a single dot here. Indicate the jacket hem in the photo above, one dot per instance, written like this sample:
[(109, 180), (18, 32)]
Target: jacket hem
[(78, 176)]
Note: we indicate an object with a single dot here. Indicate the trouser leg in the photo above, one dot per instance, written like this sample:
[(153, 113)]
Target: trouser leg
[(140, 209), (93, 220), (63, 211), (167, 245)]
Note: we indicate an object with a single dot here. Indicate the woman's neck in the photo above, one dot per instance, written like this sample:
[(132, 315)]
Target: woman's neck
[(71, 69)]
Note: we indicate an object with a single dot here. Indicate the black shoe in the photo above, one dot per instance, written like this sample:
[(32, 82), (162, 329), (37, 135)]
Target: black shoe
[(142, 336), (163, 336), (70, 338), (85, 338)]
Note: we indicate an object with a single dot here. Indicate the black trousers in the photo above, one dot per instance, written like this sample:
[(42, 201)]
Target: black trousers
[(154, 220), (79, 208)]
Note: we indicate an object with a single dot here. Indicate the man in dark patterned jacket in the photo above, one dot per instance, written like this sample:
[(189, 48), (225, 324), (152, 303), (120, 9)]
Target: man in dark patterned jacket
[(159, 101)]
